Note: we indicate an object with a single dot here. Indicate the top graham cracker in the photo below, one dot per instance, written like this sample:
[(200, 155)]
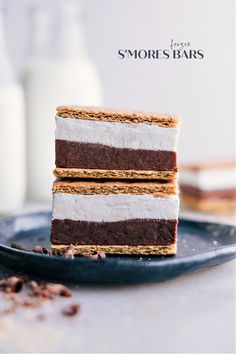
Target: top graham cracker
[(119, 116), (115, 187)]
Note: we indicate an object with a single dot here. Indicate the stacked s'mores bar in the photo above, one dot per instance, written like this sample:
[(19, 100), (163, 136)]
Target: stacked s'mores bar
[(209, 187), (116, 190)]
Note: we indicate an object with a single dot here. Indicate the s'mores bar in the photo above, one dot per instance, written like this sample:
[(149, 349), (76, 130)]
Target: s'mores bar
[(115, 217), (100, 143), (209, 187)]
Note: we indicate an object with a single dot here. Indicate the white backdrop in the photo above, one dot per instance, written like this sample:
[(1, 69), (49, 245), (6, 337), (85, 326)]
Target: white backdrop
[(202, 92)]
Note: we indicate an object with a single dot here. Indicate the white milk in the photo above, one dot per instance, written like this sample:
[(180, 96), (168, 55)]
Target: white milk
[(59, 72), (48, 85), (12, 152), (12, 159)]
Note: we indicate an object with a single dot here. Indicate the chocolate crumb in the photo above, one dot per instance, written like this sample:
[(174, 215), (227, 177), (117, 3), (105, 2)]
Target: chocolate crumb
[(48, 290), (33, 284), (12, 284), (70, 252), (94, 255), (37, 249), (19, 247), (39, 291), (102, 255), (59, 289), (56, 252), (40, 249), (90, 255), (71, 310)]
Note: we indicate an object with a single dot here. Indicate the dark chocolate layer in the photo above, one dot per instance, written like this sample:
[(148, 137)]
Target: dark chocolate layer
[(128, 232), (198, 193), (96, 156)]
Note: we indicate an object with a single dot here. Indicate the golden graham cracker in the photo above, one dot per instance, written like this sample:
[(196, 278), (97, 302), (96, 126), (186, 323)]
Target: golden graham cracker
[(113, 174), (111, 115), (113, 187), (208, 205), (131, 250)]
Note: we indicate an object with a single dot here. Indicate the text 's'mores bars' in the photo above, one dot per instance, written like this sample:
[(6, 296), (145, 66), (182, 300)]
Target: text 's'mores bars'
[(99, 143)]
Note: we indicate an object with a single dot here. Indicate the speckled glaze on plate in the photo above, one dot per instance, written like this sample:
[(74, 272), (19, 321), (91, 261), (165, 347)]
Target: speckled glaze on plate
[(200, 245)]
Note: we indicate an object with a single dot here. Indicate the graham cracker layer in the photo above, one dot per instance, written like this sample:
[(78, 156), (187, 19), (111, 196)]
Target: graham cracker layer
[(110, 115), (208, 166), (113, 187), (208, 205), (142, 250), (113, 174)]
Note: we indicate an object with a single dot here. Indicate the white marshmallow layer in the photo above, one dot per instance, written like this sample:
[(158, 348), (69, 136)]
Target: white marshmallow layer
[(119, 135), (114, 207), (211, 179)]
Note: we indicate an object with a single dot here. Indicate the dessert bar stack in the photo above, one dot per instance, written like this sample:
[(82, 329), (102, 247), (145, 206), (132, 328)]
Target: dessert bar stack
[(116, 189)]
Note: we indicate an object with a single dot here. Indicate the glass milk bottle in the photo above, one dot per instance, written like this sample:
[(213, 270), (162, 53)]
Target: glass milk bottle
[(12, 152), (59, 72)]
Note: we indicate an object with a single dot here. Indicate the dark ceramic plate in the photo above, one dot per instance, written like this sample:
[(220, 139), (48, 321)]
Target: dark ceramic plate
[(200, 245)]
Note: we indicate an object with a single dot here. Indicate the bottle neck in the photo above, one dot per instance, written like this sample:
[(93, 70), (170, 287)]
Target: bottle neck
[(57, 35), (40, 37), (6, 70), (71, 43)]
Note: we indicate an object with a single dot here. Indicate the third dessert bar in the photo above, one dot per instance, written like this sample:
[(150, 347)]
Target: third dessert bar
[(99, 143), (209, 187), (115, 217)]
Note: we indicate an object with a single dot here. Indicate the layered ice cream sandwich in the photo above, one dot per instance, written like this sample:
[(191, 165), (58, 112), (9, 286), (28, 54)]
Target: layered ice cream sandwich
[(99, 143), (115, 217), (209, 187)]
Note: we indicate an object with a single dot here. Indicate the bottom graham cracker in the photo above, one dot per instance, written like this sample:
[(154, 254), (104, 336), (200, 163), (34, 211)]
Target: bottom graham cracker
[(115, 174), (124, 249)]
